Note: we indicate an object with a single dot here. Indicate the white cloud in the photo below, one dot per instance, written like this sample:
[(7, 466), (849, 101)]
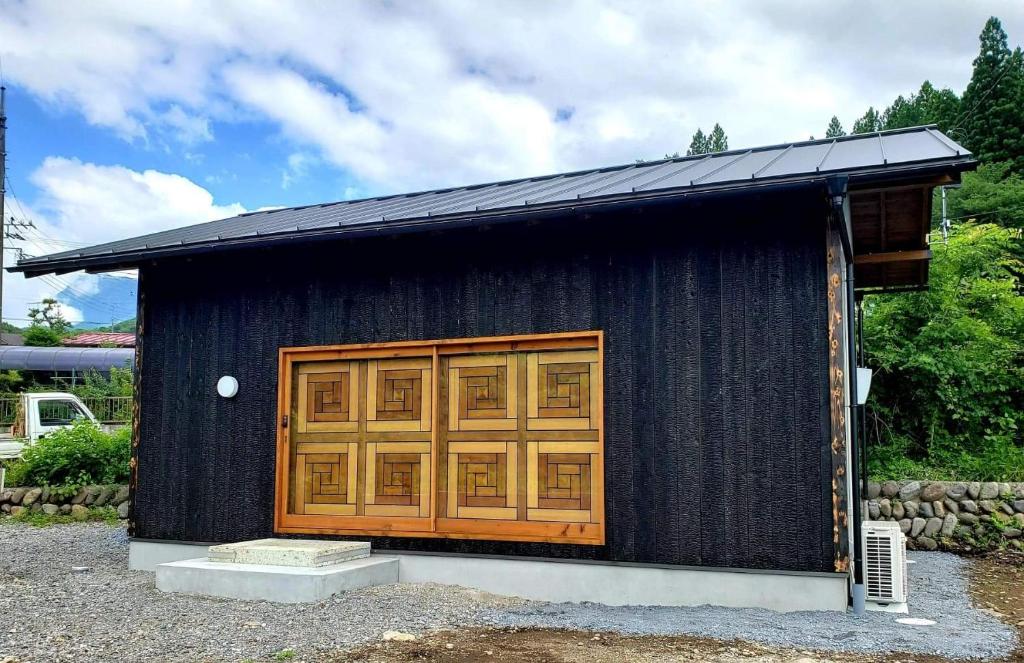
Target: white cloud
[(408, 95), (88, 202), (84, 203)]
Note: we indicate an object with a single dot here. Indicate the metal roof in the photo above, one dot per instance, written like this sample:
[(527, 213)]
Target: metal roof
[(96, 339), (64, 360), (888, 154)]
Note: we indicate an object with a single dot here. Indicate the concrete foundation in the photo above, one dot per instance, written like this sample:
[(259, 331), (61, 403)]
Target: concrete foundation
[(613, 584), (610, 584), (281, 584), (147, 555)]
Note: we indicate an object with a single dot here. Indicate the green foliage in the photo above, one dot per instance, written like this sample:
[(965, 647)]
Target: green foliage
[(926, 106), (284, 655), (992, 194), (11, 381), (8, 328), (48, 325), (74, 457), (40, 336), (867, 123), (698, 145), (993, 103), (104, 514), (94, 384), (716, 141), (50, 317), (948, 393), (835, 129), (124, 326)]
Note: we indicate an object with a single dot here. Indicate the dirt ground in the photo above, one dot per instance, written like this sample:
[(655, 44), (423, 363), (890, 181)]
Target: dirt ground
[(550, 646), (997, 585)]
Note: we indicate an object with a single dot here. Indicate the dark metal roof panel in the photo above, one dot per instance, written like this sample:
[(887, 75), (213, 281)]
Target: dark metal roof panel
[(853, 155)]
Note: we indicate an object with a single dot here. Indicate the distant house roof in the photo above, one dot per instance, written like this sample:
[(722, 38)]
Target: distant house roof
[(65, 360), (99, 339), (885, 157), (10, 339)]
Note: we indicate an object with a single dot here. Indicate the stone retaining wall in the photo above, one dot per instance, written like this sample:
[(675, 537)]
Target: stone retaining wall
[(951, 515), (933, 514), (43, 500)]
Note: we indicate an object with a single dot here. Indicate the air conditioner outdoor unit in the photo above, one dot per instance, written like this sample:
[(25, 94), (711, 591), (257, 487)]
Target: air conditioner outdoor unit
[(885, 565)]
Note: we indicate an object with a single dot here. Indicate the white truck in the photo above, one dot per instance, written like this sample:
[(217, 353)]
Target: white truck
[(37, 415)]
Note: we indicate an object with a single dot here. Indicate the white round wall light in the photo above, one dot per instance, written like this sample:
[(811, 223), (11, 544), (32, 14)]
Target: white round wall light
[(227, 386)]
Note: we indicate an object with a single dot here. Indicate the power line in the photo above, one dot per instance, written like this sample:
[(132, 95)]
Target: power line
[(966, 114), (994, 211)]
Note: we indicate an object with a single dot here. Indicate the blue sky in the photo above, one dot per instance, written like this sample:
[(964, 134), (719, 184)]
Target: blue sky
[(128, 118)]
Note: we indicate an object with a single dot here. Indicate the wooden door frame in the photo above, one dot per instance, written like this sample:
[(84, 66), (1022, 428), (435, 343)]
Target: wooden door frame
[(575, 533)]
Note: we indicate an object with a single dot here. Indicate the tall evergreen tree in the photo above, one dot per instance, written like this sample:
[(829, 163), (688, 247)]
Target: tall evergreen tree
[(717, 140), (871, 121), (835, 129), (992, 113), (698, 145)]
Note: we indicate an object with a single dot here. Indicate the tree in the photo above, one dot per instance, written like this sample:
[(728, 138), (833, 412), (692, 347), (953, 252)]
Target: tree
[(928, 106), (39, 336), (717, 140), (992, 194), (835, 129), (48, 325), (993, 103), (698, 145), (948, 390), (49, 316), (870, 122)]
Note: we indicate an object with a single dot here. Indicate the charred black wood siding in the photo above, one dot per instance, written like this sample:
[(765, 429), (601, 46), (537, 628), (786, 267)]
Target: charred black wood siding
[(716, 410)]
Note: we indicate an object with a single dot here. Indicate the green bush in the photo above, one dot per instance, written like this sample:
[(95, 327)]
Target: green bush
[(73, 457), (947, 398)]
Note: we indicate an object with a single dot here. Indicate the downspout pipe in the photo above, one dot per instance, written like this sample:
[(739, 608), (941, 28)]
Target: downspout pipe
[(837, 189)]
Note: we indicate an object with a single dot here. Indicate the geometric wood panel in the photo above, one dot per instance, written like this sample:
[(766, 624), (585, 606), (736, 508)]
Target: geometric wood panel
[(398, 395), (483, 480), (398, 479), (521, 439), (494, 438), (559, 392), (559, 480), (325, 477), (328, 397), (482, 392)]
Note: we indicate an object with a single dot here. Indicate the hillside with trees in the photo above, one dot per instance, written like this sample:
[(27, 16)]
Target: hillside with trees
[(947, 398)]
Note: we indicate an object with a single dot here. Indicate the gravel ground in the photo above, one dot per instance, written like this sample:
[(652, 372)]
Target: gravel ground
[(938, 591), (49, 612)]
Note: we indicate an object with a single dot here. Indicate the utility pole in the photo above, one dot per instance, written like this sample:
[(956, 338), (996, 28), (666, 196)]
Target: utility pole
[(3, 184)]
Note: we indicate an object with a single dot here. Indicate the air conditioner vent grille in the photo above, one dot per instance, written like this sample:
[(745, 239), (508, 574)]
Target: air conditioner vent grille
[(885, 558)]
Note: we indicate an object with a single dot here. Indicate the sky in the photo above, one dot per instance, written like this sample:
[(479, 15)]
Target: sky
[(130, 117)]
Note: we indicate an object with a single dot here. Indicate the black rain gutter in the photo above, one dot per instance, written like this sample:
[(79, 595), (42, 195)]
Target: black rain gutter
[(838, 189), (131, 259)]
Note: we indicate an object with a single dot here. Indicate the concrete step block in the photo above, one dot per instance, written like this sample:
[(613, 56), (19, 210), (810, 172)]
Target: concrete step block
[(277, 583), (289, 552)]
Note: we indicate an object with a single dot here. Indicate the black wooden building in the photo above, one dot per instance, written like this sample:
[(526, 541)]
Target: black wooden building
[(644, 364)]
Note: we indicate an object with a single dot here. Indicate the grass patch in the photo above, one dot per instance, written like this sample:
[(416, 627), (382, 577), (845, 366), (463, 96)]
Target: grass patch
[(103, 514)]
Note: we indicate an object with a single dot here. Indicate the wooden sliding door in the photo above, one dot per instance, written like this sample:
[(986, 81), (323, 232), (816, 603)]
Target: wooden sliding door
[(490, 438)]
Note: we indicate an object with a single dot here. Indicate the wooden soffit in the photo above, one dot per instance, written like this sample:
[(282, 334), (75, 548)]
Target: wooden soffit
[(890, 227)]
